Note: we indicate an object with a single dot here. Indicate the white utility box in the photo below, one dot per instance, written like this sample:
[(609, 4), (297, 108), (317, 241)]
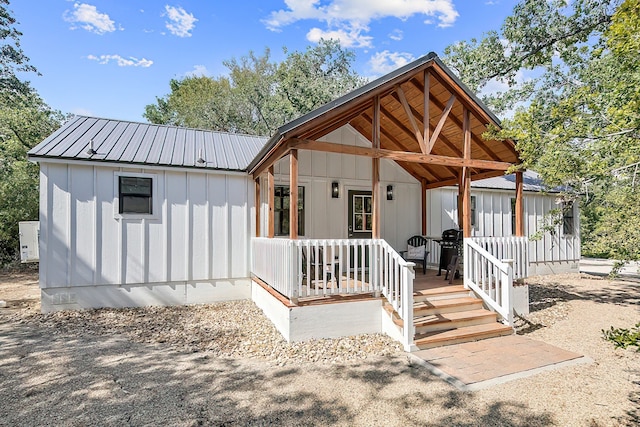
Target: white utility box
[(29, 237)]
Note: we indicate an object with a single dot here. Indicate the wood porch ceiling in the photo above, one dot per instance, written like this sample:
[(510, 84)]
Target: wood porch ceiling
[(402, 112)]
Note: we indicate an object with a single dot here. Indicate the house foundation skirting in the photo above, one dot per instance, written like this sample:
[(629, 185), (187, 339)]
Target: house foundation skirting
[(139, 295), (553, 267), (301, 323)]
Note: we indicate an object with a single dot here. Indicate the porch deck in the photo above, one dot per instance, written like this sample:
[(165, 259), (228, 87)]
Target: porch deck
[(422, 282)]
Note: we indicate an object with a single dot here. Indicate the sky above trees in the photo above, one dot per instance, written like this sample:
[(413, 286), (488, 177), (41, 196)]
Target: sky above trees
[(110, 59)]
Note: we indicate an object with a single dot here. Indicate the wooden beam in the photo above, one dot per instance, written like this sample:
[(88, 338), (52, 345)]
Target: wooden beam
[(466, 202), (455, 181), (423, 186), (407, 110), (256, 183), (466, 174), (293, 194), (404, 129), (271, 196), (426, 116), (441, 122), (413, 169), (467, 101), (461, 200), (519, 231), (375, 170), (409, 157), (375, 198), (446, 141), (276, 153), (479, 141)]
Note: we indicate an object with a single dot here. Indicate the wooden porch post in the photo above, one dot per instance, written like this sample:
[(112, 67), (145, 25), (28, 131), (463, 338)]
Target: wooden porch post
[(258, 205), (293, 194), (424, 206), (519, 231), (271, 202), (375, 172), (466, 176), (460, 198)]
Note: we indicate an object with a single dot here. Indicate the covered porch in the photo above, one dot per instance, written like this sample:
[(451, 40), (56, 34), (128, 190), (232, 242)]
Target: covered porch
[(422, 120)]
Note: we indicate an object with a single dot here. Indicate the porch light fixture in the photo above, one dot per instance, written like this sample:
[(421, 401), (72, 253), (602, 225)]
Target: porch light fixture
[(389, 192), (335, 190)]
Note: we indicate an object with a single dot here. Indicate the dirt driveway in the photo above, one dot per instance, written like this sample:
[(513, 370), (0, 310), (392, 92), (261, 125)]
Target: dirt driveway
[(114, 367)]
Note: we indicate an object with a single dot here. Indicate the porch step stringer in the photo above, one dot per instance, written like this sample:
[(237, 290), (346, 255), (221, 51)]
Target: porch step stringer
[(450, 315)]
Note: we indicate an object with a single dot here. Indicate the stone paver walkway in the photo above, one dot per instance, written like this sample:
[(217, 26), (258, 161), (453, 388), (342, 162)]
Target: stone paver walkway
[(480, 364)]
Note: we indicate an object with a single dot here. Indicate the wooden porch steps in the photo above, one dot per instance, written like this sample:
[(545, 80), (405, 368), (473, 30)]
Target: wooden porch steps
[(460, 335), (447, 315)]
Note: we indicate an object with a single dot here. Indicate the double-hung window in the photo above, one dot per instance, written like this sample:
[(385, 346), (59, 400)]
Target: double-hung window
[(135, 195), (281, 210)]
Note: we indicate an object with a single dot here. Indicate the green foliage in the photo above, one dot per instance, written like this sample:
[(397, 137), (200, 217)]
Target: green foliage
[(623, 338), (577, 118), (25, 120), (259, 95)]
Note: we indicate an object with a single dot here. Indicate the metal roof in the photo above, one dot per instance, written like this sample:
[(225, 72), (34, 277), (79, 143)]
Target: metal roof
[(121, 141), (531, 181), (371, 87)]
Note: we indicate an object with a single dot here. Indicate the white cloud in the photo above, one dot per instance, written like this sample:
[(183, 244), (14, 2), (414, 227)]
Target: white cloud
[(87, 17), (198, 71), (349, 19), (352, 37), (396, 35), (384, 62), (180, 21), (121, 61)]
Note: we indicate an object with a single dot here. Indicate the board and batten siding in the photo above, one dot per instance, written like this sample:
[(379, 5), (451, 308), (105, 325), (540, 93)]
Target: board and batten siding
[(198, 234), (551, 253), (326, 217)]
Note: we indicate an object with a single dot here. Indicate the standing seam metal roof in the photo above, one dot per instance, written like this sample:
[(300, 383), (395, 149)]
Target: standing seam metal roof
[(120, 141)]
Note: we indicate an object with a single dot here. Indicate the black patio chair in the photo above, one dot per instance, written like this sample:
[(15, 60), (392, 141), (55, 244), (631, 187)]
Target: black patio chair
[(417, 242)]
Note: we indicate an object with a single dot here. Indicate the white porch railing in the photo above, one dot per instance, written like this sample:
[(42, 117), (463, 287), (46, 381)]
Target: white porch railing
[(490, 266), (318, 268), (511, 247)]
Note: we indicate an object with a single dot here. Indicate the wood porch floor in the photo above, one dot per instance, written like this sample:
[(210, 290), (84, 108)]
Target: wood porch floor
[(422, 282)]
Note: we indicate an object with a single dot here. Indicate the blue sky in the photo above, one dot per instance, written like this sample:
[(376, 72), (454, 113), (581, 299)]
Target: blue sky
[(110, 58)]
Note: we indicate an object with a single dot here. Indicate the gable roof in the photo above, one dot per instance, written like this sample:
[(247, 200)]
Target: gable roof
[(531, 181), (121, 141), (401, 97)]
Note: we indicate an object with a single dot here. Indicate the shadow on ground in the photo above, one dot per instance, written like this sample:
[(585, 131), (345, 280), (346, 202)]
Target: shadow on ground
[(542, 296), (58, 378)]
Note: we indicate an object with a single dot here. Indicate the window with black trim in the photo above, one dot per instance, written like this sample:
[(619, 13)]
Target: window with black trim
[(281, 210), (135, 195), (513, 216), (474, 212), (568, 224)]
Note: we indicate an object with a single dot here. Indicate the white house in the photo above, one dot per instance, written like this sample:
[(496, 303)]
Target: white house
[(136, 214)]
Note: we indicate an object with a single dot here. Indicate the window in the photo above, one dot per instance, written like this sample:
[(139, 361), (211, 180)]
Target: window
[(135, 195), (474, 212), (362, 213), (281, 210), (568, 225), (513, 216)]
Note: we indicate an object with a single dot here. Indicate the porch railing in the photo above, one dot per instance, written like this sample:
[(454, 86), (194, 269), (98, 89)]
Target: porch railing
[(490, 277), (318, 268), (510, 247)]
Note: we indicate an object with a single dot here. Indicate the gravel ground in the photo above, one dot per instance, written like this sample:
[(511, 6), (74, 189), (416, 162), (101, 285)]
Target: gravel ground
[(225, 364)]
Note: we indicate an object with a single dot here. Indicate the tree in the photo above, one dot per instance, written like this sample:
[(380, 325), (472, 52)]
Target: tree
[(577, 120), (25, 120), (259, 95)]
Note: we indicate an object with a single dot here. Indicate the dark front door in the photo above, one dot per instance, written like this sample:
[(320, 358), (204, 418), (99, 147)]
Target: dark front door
[(360, 222)]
